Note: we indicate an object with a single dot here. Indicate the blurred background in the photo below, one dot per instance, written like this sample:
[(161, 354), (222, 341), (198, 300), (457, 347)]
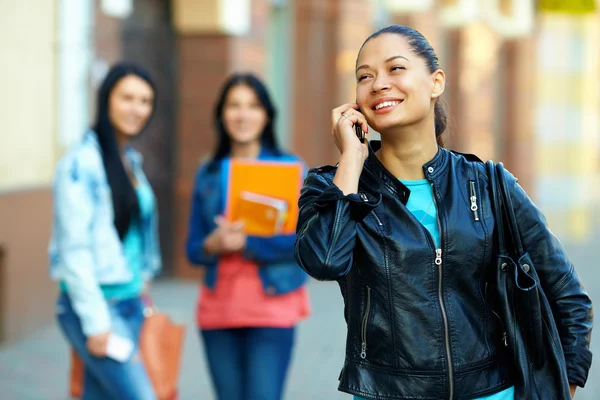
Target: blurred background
[(523, 88)]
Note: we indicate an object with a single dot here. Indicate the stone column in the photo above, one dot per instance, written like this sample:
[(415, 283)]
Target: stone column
[(328, 35), (473, 84), (517, 129)]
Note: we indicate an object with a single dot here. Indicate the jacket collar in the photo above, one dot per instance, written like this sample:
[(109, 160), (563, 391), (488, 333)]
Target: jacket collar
[(432, 169)]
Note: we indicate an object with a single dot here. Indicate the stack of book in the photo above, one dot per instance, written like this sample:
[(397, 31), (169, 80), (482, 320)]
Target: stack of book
[(263, 194)]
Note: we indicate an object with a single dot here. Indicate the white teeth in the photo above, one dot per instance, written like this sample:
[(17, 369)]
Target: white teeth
[(386, 104)]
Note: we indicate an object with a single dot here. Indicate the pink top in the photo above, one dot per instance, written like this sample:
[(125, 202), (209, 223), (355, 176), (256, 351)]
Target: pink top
[(239, 300)]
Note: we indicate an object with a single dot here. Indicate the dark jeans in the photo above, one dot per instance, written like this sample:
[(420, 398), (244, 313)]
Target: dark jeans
[(107, 379), (248, 363)]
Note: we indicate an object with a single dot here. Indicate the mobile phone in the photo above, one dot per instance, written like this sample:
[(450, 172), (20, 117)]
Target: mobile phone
[(359, 133), (119, 348)]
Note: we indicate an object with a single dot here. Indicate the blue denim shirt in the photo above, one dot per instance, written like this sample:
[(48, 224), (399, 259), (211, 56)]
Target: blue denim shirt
[(278, 269), (85, 250)]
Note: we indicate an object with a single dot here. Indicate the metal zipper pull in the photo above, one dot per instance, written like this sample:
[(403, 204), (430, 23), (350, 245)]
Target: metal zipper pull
[(438, 256), (473, 199), (363, 350), (364, 197)]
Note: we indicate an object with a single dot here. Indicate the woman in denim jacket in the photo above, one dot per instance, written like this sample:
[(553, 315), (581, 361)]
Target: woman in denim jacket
[(104, 248), (253, 293)]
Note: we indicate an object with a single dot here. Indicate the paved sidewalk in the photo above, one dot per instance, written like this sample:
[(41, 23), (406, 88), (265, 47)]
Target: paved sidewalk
[(36, 368)]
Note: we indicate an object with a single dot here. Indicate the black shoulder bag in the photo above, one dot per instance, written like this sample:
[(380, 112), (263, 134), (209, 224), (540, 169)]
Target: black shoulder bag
[(531, 337)]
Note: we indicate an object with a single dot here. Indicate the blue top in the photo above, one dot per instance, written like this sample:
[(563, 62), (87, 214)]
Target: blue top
[(422, 205), (133, 249)]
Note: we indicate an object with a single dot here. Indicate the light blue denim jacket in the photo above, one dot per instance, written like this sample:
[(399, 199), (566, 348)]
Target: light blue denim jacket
[(85, 250)]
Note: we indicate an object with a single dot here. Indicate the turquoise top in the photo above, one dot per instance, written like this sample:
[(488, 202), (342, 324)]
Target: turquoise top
[(133, 248), (422, 205)]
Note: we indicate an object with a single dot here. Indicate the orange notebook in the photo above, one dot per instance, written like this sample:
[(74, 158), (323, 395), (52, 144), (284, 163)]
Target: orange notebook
[(264, 194)]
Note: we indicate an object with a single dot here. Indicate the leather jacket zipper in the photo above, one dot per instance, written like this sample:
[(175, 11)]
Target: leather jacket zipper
[(377, 219), (473, 198), (363, 345), (438, 262), (366, 200)]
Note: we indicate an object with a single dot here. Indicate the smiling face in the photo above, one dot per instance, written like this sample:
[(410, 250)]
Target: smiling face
[(395, 88), (130, 105)]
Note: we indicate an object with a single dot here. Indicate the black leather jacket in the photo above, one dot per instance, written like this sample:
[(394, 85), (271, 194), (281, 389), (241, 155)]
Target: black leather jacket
[(419, 322)]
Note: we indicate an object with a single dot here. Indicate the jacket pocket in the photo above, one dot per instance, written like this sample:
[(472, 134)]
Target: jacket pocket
[(365, 322)]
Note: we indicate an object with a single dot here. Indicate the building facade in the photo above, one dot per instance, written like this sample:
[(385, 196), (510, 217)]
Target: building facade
[(510, 98)]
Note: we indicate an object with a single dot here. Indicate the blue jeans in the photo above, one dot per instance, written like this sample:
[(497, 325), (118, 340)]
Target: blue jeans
[(106, 378), (248, 363)]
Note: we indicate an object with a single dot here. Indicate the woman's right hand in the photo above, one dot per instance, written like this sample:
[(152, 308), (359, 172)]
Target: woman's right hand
[(353, 152), (228, 237), (97, 344), (344, 118)]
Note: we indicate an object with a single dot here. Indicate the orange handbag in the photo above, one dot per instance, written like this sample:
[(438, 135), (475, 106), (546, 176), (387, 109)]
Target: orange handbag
[(161, 345), (76, 381)]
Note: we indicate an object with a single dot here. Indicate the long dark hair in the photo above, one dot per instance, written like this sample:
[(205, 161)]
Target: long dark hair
[(267, 137), (422, 48), (125, 201)]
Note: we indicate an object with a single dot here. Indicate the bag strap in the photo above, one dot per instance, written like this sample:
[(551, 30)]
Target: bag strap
[(532, 323), (495, 195), (509, 216)]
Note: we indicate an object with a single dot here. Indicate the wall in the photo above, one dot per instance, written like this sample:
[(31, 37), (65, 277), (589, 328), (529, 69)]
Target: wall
[(28, 295), (27, 156), (27, 108)]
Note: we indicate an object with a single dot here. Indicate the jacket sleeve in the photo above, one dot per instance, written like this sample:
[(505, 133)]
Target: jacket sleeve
[(74, 210), (327, 227), (198, 228), (571, 305), (270, 249)]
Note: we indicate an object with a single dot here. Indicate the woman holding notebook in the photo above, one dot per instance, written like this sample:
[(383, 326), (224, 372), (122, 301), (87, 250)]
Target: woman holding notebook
[(253, 293)]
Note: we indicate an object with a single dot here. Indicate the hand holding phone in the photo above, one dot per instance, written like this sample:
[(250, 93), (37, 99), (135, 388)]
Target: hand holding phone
[(349, 127), (349, 124), (359, 133)]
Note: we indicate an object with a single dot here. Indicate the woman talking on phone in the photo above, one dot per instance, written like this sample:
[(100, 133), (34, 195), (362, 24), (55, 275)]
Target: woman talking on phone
[(406, 228), (253, 293), (104, 249)]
